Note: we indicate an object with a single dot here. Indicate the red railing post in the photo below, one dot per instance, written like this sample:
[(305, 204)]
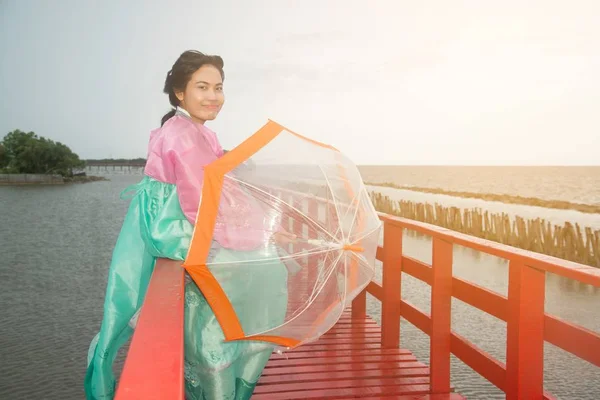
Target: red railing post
[(392, 273), (359, 305), (525, 332), (441, 305)]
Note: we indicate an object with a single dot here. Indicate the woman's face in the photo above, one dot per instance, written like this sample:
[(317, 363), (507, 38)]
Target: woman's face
[(203, 96)]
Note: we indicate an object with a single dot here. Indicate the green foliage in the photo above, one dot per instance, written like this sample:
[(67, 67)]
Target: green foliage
[(3, 158), (26, 153)]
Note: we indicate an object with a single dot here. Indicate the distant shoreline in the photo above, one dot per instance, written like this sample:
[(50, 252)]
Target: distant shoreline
[(46, 179), (503, 198), (86, 179)]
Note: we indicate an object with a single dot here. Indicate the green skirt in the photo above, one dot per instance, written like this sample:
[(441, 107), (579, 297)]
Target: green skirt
[(155, 227)]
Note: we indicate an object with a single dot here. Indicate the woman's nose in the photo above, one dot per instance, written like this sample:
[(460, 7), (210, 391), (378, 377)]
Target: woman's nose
[(212, 95)]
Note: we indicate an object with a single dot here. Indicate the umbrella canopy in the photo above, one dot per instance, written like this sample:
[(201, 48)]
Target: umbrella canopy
[(259, 285)]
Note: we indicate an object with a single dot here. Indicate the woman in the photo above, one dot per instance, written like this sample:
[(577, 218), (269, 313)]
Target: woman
[(159, 223)]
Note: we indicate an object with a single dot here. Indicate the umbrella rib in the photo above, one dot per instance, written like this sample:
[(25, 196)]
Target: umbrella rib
[(312, 300), (327, 277), (284, 202), (317, 279), (367, 234), (350, 205), (335, 205), (290, 256), (360, 258), (357, 198), (345, 295)]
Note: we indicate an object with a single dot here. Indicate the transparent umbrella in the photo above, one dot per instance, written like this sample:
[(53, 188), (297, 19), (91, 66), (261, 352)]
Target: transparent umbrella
[(262, 283)]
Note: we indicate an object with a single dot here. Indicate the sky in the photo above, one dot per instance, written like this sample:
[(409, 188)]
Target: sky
[(386, 82)]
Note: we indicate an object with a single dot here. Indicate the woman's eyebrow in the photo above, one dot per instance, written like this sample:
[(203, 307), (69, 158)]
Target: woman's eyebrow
[(206, 83)]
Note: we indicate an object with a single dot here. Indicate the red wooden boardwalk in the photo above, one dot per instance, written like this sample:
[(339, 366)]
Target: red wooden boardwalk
[(347, 362)]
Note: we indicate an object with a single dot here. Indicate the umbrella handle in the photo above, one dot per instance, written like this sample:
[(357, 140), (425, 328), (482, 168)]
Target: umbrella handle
[(323, 243)]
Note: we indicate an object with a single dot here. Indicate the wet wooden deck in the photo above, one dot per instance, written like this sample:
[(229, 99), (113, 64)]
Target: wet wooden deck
[(347, 362)]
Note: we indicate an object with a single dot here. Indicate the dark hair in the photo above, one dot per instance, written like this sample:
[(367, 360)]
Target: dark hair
[(180, 74)]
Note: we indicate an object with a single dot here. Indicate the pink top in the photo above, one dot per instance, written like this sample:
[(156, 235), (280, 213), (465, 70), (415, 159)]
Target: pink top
[(177, 154)]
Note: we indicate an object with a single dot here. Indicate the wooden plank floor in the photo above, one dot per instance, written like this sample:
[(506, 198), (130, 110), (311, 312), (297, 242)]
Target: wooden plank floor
[(347, 363)]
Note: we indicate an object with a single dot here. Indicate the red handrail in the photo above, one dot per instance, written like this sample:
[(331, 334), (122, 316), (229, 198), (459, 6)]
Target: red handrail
[(154, 365), (528, 326)]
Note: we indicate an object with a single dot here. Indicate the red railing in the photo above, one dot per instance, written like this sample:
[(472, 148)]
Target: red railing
[(154, 366), (528, 326), (153, 369)]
